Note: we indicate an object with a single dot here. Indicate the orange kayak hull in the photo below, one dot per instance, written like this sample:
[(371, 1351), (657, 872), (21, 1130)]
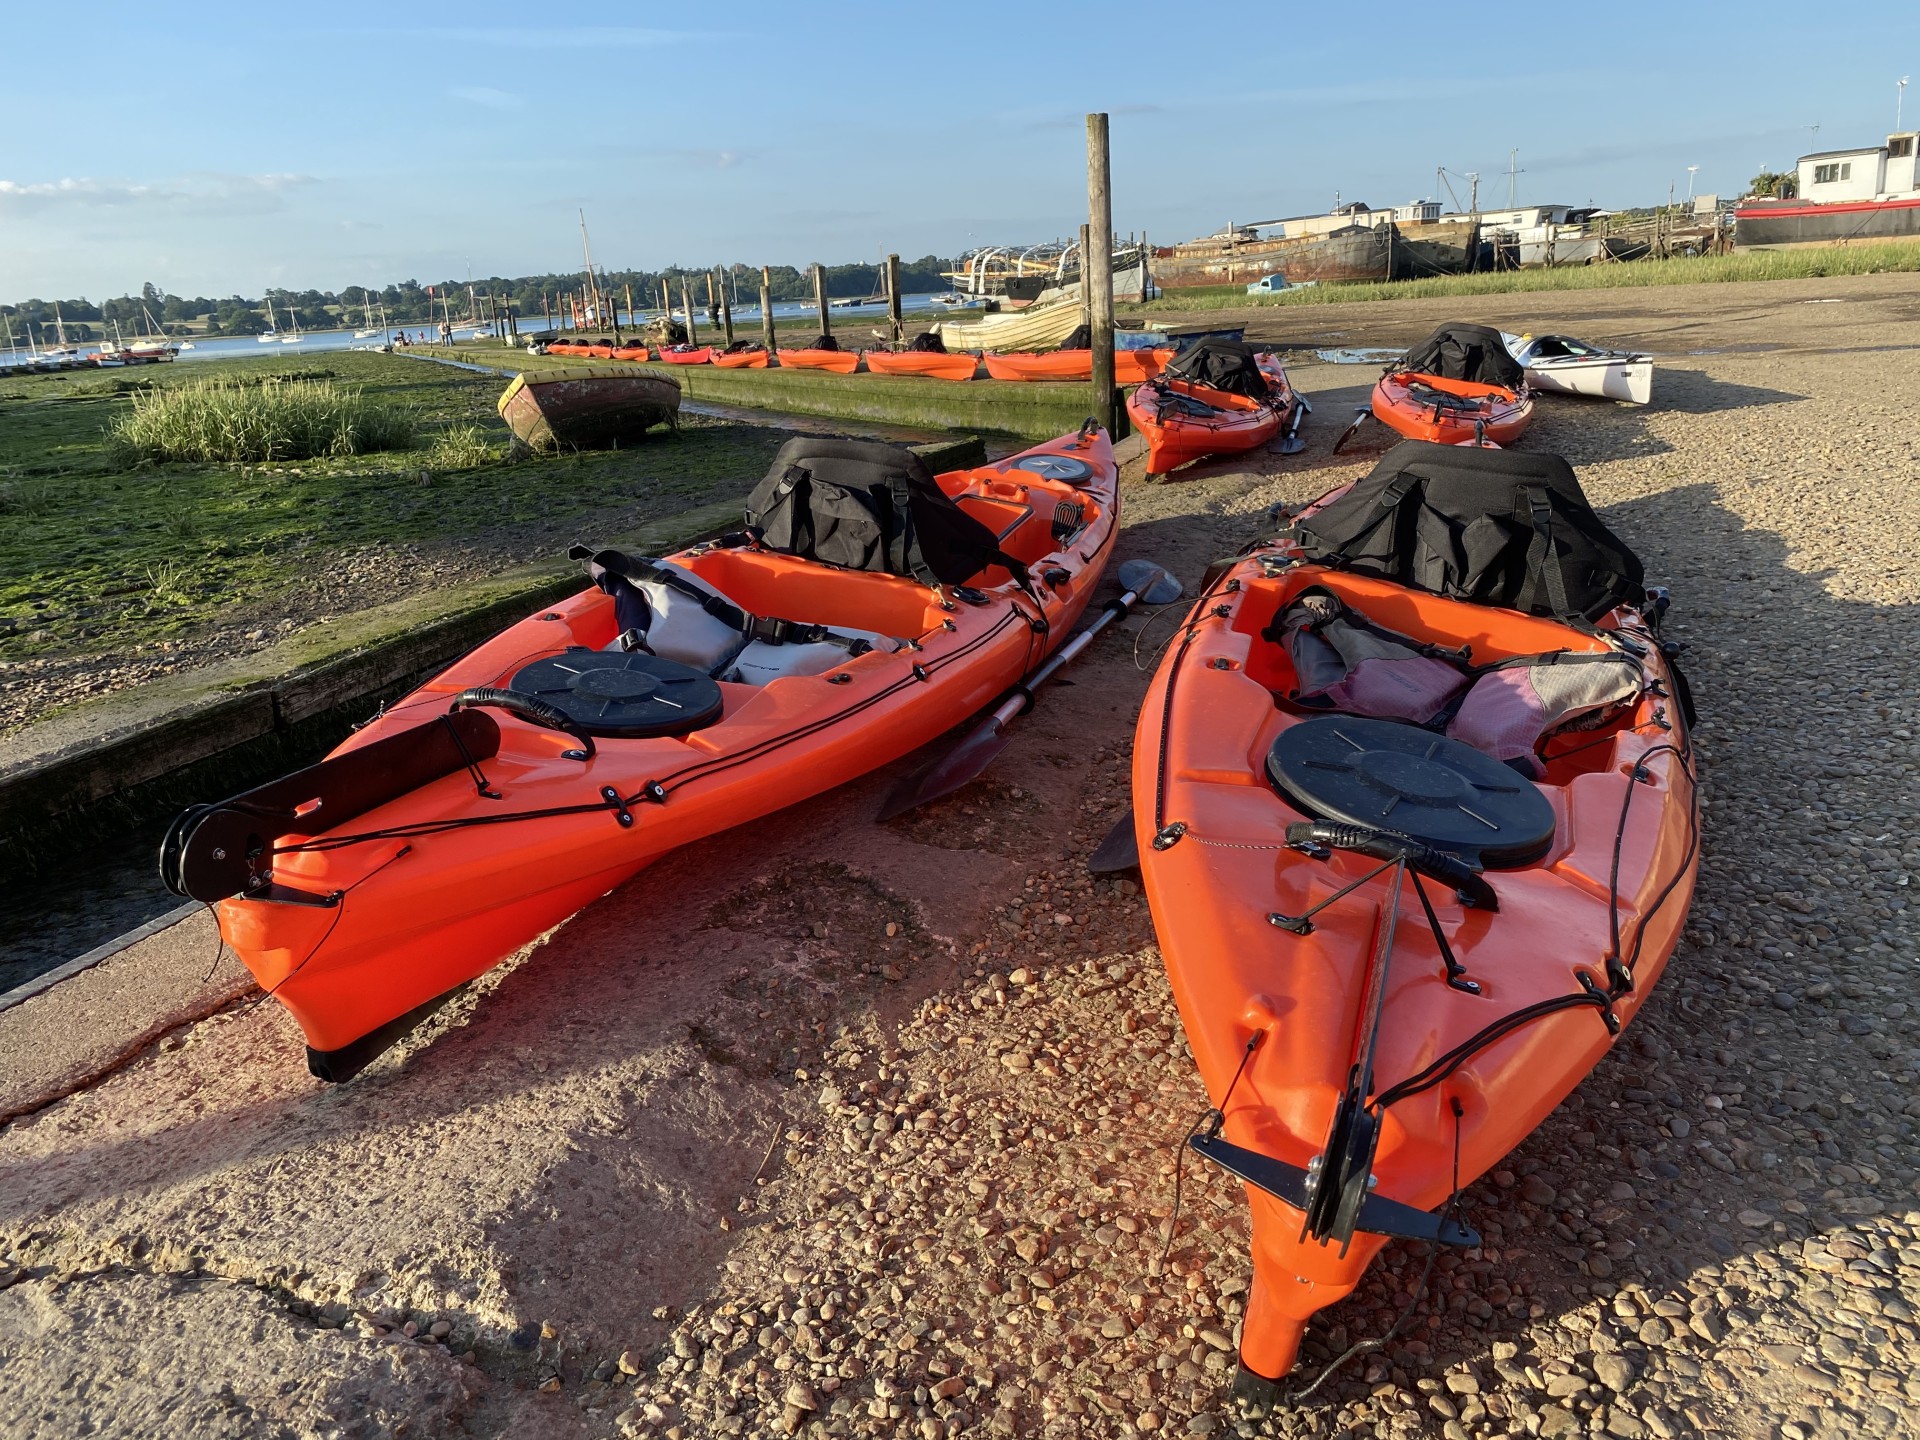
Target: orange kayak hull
[(1130, 367), (840, 362), (634, 353), (699, 356), (1232, 425), (740, 360), (934, 365), (414, 916), (1408, 403), (1201, 794)]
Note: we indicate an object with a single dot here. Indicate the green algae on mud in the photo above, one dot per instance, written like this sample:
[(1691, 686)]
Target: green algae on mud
[(96, 557)]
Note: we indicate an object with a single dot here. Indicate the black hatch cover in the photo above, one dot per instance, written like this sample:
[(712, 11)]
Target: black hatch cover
[(623, 694), (1389, 776)]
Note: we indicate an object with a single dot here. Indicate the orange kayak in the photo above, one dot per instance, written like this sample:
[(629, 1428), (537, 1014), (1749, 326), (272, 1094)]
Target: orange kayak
[(840, 362), (753, 359), (686, 355), (1451, 412), (932, 364), (1130, 367), (555, 762), (1495, 968), (1184, 421), (632, 352)]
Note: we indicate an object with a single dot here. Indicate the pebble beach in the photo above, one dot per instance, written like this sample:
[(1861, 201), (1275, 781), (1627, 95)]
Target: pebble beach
[(843, 1129)]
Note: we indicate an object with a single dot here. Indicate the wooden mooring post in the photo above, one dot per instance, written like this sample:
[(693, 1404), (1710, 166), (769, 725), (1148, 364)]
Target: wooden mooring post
[(1096, 275), (820, 298), (726, 307), (686, 303), (893, 299), (766, 309)]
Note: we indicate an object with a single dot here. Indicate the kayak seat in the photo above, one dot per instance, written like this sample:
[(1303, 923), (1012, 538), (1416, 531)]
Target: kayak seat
[(672, 612)]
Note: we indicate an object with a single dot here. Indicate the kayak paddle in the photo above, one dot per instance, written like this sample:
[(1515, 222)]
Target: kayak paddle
[(960, 766)]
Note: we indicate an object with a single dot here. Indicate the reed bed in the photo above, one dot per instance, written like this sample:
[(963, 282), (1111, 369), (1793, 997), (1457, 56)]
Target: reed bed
[(1810, 263), (218, 420)]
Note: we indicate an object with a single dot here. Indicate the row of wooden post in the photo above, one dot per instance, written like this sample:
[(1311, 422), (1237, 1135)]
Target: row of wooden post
[(1096, 285)]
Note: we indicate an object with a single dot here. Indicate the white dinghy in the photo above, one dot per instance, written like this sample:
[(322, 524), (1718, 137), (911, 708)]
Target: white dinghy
[(1565, 366)]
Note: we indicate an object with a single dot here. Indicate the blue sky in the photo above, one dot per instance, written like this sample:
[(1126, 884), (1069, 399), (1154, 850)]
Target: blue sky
[(222, 148)]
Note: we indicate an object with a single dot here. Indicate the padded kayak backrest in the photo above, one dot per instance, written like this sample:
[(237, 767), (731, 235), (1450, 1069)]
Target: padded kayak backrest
[(1493, 527), (928, 343), (1220, 365), (1465, 352), (868, 505)]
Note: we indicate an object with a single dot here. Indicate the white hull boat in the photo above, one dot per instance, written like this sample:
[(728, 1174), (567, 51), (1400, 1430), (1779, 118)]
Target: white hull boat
[(1562, 365)]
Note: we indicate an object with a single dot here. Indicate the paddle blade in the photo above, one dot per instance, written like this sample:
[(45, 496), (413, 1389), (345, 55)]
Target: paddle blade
[(1119, 852), (955, 770), (1149, 581)]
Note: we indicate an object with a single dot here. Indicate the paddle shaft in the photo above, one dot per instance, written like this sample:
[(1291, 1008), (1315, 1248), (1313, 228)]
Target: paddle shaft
[(1021, 699)]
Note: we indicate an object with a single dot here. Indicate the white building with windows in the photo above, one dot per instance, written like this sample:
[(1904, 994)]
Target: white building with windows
[(1880, 172)]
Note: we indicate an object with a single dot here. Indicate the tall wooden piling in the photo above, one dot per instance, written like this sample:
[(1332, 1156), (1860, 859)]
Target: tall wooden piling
[(726, 307), (1096, 274), (766, 309), (820, 298), (666, 300), (686, 303), (893, 298)]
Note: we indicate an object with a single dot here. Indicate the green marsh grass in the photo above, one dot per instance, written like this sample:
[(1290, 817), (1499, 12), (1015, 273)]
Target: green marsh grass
[(1811, 263), (463, 447), (218, 420)]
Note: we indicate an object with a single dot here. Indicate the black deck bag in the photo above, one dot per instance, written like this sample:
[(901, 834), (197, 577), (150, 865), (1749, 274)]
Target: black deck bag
[(1220, 365), (1465, 352), (824, 342), (1081, 338), (927, 343), (1495, 527), (741, 347), (868, 505)]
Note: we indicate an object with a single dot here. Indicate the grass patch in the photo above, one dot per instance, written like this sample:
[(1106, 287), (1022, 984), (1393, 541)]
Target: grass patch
[(294, 419), (97, 555), (465, 447), (1810, 263)]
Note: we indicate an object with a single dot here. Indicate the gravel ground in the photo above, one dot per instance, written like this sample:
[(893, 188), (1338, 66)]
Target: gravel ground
[(871, 1130)]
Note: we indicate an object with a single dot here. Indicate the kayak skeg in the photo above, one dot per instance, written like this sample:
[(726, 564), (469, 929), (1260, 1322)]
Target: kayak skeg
[(1393, 951), (1185, 421), (575, 748)]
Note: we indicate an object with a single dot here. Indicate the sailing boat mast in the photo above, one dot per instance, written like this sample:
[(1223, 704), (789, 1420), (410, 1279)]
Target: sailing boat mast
[(593, 286)]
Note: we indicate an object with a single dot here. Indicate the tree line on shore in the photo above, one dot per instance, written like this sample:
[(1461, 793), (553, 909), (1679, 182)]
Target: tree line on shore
[(411, 302)]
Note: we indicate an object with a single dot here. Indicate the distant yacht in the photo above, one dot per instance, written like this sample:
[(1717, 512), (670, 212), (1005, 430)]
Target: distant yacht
[(269, 336), (371, 331)]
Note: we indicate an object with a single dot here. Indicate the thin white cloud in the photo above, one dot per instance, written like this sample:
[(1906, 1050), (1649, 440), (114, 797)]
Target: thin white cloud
[(203, 192), (487, 96), (578, 37)]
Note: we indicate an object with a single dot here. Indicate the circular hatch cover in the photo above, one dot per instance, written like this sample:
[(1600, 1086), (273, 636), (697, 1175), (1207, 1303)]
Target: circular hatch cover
[(623, 694), (1389, 776)]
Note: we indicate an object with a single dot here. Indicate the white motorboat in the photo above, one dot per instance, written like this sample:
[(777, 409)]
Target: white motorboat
[(1559, 364)]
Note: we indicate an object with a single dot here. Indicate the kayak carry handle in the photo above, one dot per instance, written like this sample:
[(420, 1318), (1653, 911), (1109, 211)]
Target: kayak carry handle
[(530, 708), (1449, 869)]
